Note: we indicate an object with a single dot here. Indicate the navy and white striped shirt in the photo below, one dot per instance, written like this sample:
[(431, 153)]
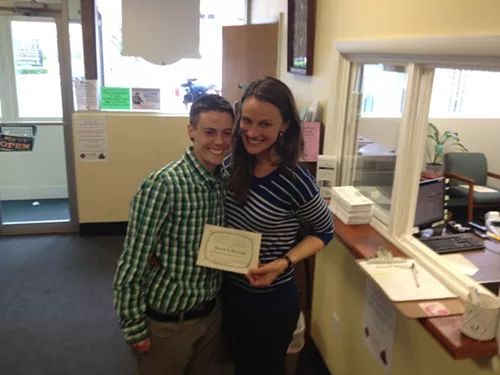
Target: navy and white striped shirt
[(274, 206)]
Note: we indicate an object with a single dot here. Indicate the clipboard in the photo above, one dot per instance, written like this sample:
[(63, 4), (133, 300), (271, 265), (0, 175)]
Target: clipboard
[(394, 277)]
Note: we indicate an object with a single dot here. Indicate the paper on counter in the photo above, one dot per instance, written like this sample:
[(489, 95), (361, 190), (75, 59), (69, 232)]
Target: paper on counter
[(480, 189), (457, 262), (398, 282)]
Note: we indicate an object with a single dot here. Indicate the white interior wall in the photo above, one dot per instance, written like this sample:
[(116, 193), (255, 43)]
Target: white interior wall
[(478, 135)]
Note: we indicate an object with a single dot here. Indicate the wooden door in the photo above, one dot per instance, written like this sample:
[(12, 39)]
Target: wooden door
[(249, 52)]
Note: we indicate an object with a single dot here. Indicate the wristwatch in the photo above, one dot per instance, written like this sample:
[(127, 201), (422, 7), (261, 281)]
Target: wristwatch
[(288, 260)]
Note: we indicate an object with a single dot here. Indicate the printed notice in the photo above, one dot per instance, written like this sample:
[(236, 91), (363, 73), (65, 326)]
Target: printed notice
[(146, 99), (117, 98), (379, 325), (312, 133), (229, 249), (91, 139), (87, 95)]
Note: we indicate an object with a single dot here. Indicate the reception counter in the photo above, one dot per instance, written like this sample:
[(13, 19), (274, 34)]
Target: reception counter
[(422, 346)]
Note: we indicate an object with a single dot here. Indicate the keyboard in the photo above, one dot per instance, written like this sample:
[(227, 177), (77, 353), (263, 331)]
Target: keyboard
[(453, 243)]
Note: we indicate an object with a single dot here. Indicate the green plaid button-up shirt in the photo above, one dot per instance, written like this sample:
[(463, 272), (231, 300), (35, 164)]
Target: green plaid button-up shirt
[(167, 218)]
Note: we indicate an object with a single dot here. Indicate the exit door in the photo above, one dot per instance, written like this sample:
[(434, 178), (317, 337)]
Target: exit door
[(37, 187)]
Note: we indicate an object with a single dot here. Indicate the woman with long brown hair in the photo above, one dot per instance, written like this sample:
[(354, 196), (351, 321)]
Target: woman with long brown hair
[(269, 193)]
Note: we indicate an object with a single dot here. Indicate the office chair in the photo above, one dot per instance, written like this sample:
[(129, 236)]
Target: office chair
[(468, 174)]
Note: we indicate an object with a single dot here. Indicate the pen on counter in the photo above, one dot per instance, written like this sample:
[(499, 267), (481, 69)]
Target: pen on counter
[(493, 236), (415, 272)]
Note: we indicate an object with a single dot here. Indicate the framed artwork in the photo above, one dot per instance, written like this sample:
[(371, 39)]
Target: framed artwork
[(301, 28)]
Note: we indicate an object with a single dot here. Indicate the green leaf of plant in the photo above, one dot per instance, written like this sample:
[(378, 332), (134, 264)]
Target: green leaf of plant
[(435, 130)]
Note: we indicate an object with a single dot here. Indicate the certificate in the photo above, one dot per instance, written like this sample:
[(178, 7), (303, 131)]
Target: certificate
[(229, 249)]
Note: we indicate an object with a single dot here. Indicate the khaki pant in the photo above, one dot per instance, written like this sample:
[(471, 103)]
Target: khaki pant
[(189, 348)]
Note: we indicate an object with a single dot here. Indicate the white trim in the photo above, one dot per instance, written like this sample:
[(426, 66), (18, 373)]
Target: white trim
[(9, 92), (248, 12), (381, 228), (281, 30), (36, 222), (451, 46), (399, 202), (336, 108), (472, 52), (413, 144), (350, 140), (381, 215)]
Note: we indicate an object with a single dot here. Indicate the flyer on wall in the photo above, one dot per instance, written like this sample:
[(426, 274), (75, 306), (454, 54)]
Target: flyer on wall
[(91, 139), (146, 99), (379, 326)]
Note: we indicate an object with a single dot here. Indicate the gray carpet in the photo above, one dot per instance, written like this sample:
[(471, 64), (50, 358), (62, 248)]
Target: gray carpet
[(56, 313)]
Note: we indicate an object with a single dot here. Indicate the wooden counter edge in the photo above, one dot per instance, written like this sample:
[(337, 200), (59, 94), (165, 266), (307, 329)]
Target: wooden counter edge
[(362, 241)]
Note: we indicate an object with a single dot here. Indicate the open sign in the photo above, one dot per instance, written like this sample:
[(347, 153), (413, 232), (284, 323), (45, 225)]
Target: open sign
[(15, 143)]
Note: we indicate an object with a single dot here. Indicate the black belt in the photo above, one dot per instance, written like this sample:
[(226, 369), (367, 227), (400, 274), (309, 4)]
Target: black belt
[(200, 312)]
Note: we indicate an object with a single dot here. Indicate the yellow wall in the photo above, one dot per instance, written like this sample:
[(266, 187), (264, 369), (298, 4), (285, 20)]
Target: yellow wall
[(138, 144), (339, 286), (368, 19), (408, 18)]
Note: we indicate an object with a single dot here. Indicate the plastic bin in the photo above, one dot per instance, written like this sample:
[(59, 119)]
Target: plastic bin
[(296, 345)]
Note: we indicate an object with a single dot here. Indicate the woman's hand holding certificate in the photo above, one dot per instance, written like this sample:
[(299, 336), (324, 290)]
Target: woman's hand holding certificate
[(229, 249), (267, 273)]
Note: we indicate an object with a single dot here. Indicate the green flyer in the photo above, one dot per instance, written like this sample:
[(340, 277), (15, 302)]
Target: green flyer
[(117, 98)]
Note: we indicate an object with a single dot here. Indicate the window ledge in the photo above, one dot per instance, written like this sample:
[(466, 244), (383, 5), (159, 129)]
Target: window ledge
[(362, 241)]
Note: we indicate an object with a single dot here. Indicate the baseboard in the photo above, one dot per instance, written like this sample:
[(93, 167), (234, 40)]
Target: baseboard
[(118, 228)]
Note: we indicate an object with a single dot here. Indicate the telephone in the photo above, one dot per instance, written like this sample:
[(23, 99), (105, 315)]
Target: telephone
[(492, 221)]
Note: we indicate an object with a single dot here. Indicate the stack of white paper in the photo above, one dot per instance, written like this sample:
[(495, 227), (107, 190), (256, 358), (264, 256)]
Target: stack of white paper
[(350, 206)]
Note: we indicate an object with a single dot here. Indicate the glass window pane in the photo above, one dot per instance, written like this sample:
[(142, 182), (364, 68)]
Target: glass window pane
[(466, 138), (465, 94), (76, 45), (372, 159), (36, 62), (383, 92), (34, 187), (176, 91)]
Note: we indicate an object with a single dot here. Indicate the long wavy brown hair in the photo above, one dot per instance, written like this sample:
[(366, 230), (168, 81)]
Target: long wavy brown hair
[(289, 146)]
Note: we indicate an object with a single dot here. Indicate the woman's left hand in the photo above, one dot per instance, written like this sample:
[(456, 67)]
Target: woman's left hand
[(266, 274)]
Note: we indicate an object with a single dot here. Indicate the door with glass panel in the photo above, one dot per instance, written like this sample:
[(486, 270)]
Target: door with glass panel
[(36, 179)]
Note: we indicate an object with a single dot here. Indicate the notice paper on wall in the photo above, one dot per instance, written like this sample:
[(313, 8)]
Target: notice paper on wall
[(312, 134), (326, 175), (87, 95), (379, 325), (91, 139), (146, 99)]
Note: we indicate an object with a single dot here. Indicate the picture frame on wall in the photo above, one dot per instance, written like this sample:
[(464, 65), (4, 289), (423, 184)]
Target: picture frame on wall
[(301, 30)]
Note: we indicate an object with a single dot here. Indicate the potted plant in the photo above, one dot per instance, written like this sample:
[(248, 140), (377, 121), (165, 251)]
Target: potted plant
[(437, 147)]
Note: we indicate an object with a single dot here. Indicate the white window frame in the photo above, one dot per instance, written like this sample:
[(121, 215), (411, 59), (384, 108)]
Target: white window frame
[(422, 56)]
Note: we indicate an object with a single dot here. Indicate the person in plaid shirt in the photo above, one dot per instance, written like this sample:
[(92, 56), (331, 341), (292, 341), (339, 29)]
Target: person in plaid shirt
[(166, 304)]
